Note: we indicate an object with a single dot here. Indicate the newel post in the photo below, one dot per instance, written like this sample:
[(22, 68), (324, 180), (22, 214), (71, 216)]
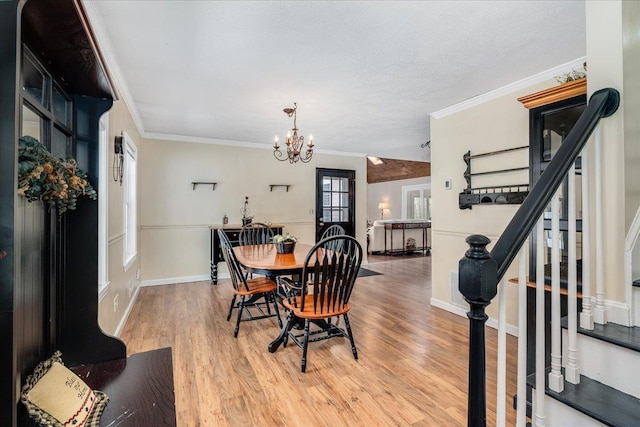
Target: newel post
[(477, 274)]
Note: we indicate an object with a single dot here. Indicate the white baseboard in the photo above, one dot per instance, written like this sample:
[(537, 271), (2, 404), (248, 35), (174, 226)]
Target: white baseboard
[(492, 323), (123, 321), (616, 312), (184, 279)]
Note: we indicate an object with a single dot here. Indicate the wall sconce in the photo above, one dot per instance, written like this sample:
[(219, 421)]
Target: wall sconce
[(382, 206), (118, 159)]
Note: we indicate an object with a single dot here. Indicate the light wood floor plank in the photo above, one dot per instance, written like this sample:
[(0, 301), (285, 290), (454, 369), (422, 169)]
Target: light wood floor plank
[(411, 371)]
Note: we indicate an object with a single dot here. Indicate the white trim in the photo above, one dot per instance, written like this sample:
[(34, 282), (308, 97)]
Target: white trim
[(510, 88), (406, 189), (617, 312), (103, 205), (234, 143), (206, 226), (184, 279), (130, 203), (125, 316), (492, 323), (103, 289), (110, 61), (629, 245), (116, 238)]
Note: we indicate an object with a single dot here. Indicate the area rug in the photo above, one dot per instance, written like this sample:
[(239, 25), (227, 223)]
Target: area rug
[(364, 273)]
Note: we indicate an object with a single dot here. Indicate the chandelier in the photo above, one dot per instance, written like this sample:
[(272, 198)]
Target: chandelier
[(295, 143)]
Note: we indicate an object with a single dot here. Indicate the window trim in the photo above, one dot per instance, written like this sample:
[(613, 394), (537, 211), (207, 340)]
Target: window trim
[(129, 207), (103, 207), (423, 189)]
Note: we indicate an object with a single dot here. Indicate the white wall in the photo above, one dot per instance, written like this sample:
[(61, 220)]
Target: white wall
[(390, 192), (500, 122), (175, 218), (123, 284), (605, 69)]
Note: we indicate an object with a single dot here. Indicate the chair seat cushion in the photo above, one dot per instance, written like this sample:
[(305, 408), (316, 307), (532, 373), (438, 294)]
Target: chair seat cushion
[(257, 286), (309, 313)]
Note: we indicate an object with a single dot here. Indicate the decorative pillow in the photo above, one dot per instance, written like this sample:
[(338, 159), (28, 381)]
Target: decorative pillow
[(55, 396)]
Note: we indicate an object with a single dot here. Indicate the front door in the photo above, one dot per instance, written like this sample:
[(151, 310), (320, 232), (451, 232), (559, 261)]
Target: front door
[(335, 200)]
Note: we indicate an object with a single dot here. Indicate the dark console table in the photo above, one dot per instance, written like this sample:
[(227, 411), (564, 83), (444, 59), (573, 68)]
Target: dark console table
[(390, 228), (233, 233)]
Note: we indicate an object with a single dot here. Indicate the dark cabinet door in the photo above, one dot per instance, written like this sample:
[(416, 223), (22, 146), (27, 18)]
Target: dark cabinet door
[(549, 125)]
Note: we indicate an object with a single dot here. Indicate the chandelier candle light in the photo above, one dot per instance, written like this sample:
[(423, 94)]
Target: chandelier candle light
[(294, 142)]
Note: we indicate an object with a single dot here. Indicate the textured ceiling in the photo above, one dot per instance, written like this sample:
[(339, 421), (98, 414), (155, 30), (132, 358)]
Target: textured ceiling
[(365, 75)]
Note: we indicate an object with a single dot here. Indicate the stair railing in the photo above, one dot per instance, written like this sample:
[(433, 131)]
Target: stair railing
[(480, 271)]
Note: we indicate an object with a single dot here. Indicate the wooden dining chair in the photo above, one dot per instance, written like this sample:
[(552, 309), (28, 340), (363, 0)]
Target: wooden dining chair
[(333, 230), (324, 294), (252, 292), (255, 233)]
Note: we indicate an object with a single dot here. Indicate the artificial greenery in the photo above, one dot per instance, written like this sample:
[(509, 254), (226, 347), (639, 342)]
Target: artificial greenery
[(57, 182), (279, 238)]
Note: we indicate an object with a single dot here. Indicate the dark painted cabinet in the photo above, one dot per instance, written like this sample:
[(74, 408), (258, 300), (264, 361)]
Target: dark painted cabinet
[(548, 126), (53, 87)]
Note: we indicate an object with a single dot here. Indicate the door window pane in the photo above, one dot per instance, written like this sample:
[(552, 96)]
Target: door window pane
[(60, 144), (61, 107), (31, 123), (34, 81)]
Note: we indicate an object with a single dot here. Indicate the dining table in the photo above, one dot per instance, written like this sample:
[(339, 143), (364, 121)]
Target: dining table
[(264, 259)]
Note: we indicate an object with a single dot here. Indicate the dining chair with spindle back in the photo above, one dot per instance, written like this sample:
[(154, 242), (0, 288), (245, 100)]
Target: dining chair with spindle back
[(251, 291), (329, 276), (255, 233)]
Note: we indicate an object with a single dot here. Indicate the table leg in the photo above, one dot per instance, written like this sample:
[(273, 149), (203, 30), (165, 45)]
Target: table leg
[(288, 324), (214, 272)]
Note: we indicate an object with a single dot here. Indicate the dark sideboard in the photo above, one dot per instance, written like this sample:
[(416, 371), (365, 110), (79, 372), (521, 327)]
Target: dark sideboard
[(233, 233)]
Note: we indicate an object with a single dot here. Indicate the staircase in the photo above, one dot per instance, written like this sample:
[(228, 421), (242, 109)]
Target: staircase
[(609, 388), (593, 377)]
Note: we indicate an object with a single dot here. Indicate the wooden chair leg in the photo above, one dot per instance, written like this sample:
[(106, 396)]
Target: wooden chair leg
[(305, 343), (233, 303), (353, 344), (239, 317), (289, 322), (275, 305), (266, 301)]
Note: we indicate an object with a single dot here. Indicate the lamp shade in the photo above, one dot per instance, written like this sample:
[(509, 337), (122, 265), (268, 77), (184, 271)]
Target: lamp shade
[(383, 205)]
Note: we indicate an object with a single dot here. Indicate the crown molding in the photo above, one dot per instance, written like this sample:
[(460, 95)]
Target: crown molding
[(510, 88), (233, 143), (111, 63)]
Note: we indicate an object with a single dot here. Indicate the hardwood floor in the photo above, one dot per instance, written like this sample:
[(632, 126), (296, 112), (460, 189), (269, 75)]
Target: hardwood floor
[(411, 371)]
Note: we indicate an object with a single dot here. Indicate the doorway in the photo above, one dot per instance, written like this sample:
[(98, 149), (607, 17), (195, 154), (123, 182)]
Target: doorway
[(335, 200)]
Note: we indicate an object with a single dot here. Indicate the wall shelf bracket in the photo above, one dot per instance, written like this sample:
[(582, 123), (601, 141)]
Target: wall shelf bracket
[(196, 183), (271, 186)]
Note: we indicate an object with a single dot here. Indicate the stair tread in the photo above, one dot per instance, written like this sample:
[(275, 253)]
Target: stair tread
[(624, 336), (599, 401)]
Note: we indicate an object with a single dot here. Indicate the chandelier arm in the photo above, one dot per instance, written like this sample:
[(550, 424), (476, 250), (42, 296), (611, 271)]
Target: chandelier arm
[(279, 155)]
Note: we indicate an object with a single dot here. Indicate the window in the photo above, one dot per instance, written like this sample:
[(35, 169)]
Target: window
[(335, 199), (130, 201), (103, 208), (416, 201)]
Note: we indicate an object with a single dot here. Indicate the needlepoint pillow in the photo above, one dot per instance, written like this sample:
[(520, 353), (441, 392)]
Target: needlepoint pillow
[(55, 396)]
